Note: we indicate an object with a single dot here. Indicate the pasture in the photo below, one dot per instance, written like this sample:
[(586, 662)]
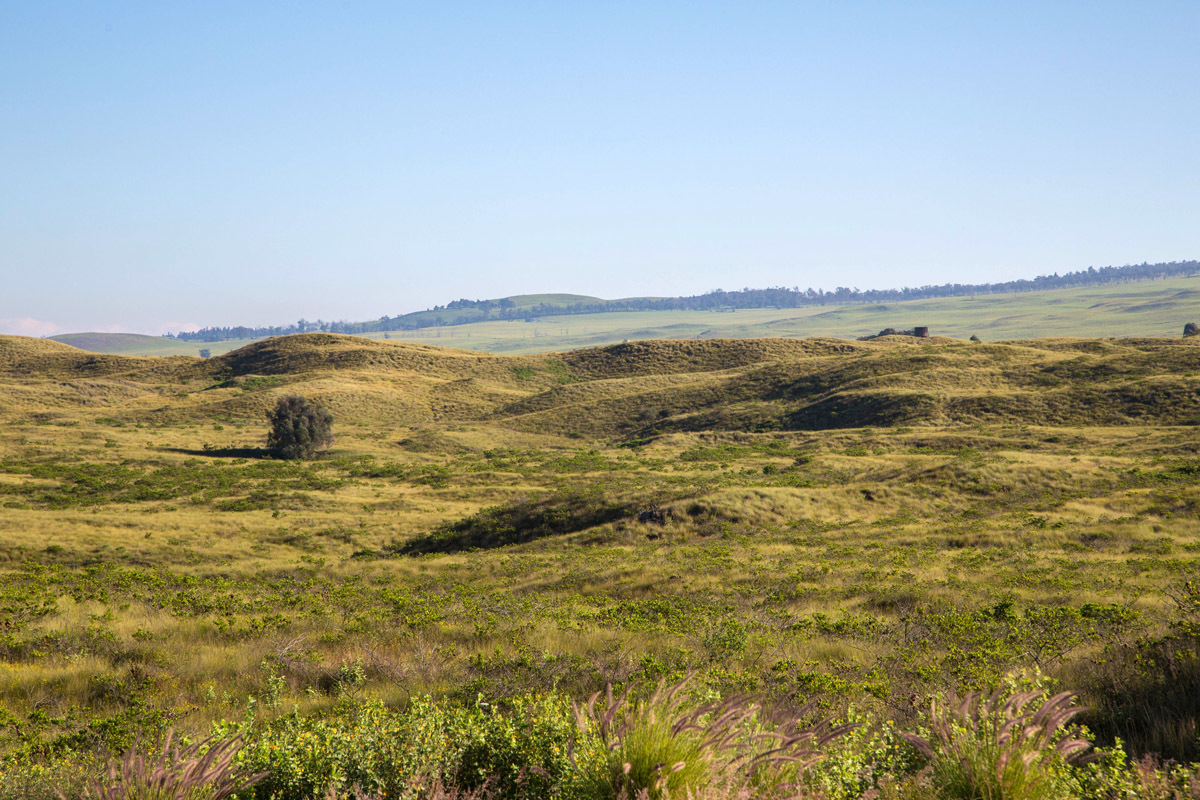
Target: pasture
[(1145, 308)]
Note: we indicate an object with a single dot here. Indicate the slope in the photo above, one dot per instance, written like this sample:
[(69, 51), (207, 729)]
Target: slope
[(635, 389), (1149, 308)]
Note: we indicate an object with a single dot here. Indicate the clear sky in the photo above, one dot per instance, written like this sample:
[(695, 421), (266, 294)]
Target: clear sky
[(171, 165)]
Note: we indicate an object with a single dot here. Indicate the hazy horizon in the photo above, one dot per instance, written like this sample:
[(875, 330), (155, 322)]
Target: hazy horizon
[(170, 168)]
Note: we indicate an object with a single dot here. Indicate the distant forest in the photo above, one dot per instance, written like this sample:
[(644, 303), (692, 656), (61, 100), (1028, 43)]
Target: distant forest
[(461, 312)]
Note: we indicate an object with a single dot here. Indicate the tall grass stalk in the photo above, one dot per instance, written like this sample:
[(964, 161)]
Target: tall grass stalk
[(997, 747), (201, 771), (660, 748)]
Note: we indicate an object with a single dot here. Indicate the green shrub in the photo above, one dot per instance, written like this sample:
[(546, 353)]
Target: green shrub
[(533, 749), (861, 762), (364, 745), (537, 748), (299, 428)]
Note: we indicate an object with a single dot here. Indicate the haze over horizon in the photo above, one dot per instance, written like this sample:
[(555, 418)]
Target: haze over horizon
[(170, 168)]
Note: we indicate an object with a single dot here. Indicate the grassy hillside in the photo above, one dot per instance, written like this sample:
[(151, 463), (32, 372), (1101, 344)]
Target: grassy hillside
[(855, 524), (136, 344), (1151, 308), (644, 388), (532, 300), (519, 301)]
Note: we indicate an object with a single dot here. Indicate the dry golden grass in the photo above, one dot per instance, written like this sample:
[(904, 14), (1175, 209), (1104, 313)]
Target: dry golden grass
[(843, 558)]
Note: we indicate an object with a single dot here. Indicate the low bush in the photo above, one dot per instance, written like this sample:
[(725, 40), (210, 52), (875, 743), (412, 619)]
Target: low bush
[(675, 742), (531, 749)]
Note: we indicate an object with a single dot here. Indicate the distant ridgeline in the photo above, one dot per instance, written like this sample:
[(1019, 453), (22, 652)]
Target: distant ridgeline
[(462, 312)]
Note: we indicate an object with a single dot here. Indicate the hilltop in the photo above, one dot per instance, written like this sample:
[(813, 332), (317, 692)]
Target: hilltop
[(639, 389)]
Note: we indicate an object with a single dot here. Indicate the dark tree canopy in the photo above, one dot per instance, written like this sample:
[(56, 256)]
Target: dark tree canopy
[(299, 428), (1191, 329)]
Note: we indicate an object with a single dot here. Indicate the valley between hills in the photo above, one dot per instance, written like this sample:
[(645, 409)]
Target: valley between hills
[(848, 527)]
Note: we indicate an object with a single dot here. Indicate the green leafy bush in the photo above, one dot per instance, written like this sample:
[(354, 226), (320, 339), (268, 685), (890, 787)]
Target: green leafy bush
[(299, 428), (861, 762), (532, 749)]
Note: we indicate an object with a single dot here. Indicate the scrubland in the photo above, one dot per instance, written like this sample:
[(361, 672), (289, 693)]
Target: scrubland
[(817, 529)]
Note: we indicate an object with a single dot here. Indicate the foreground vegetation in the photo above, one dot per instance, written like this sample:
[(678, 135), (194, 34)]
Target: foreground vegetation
[(834, 531), (1013, 743)]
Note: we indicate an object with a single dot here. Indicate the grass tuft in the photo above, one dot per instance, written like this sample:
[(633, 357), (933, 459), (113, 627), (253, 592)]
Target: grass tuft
[(1001, 746), (201, 771)]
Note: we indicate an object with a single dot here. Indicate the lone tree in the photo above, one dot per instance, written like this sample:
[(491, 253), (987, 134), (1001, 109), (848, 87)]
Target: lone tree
[(298, 428), (1191, 329)]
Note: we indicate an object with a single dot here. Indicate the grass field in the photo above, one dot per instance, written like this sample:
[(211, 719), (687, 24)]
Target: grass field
[(136, 344), (1149, 308), (855, 524)]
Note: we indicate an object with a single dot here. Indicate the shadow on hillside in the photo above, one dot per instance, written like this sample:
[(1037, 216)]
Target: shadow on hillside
[(567, 511), (223, 452), (858, 410)]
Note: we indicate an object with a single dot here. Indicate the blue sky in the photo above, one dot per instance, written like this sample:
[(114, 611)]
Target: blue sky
[(170, 165)]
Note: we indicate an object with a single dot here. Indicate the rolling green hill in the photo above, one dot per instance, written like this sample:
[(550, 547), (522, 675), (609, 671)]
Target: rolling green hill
[(1149, 308), (136, 344), (1145, 308), (642, 388), (532, 300), (848, 523), (433, 317)]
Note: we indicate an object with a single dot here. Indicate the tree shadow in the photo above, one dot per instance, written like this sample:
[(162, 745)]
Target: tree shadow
[(223, 452)]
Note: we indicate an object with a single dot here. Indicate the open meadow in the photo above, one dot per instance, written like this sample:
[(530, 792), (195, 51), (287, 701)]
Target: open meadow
[(833, 528), (1140, 308), (136, 344), (1137, 308)]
